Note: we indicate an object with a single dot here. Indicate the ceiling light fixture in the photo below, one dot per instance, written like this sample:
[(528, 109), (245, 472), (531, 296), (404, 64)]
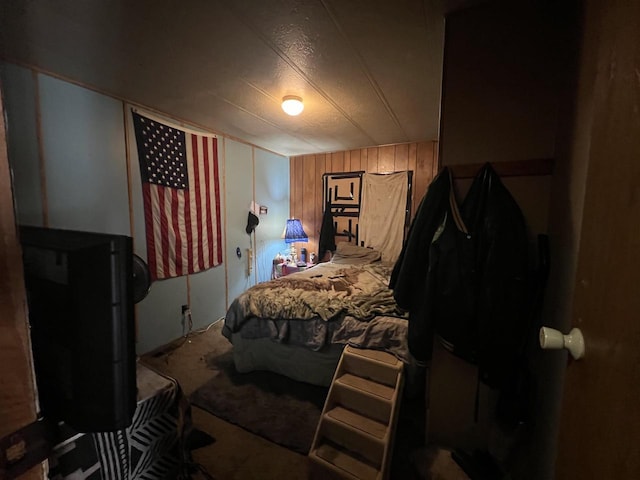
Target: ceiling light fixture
[(292, 105)]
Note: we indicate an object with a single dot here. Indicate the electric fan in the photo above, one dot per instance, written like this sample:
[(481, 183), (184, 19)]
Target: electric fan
[(141, 279)]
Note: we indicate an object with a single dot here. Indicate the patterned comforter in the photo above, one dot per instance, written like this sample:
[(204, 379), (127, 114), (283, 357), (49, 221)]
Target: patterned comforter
[(329, 303)]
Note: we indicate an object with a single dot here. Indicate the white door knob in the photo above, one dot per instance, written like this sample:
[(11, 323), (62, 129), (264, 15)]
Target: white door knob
[(554, 339)]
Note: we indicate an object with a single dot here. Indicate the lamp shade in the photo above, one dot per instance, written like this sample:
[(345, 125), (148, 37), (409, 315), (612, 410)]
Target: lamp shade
[(292, 105), (294, 232)]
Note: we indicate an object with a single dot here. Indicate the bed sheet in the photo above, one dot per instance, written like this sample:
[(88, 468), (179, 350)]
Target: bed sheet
[(331, 303)]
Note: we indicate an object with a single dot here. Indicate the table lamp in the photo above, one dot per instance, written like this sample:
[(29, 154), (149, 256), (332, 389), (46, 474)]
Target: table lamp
[(294, 232)]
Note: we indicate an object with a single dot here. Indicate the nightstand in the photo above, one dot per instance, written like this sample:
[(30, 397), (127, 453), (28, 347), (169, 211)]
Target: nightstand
[(289, 268)]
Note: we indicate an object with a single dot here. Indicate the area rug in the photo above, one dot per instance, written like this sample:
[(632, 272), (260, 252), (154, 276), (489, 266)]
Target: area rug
[(272, 406)]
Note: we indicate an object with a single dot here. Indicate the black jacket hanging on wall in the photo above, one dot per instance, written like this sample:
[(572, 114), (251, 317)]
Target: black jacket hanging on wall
[(462, 274), (327, 241), (502, 306), (410, 272)]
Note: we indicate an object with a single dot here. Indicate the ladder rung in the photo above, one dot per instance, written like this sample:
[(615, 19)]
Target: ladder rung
[(359, 422), (376, 355), (367, 386), (346, 462)]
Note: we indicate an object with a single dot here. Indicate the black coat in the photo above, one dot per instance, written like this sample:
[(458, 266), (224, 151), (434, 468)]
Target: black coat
[(463, 275), (327, 241), (410, 272)]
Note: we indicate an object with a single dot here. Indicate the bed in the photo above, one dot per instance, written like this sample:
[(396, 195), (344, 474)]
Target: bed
[(298, 325)]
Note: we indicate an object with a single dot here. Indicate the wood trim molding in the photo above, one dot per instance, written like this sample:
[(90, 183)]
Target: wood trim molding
[(519, 168)]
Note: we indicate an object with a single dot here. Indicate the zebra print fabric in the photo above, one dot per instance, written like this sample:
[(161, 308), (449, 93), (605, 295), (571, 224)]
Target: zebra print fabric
[(151, 448)]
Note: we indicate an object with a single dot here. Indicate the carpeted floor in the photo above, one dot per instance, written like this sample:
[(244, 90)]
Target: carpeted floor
[(238, 454), (273, 406)]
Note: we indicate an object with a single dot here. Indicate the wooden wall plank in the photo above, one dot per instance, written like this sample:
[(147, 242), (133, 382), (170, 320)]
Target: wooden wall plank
[(309, 203), (425, 168), (401, 157), (314, 230), (372, 160), (293, 164), (300, 192), (337, 162), (355, 160), (347, 161), (386, 159)]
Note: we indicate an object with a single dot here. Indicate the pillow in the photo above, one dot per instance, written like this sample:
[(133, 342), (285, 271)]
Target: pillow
[(347, 253)]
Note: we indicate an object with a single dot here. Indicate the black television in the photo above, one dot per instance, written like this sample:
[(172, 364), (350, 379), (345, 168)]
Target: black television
[(81, 314)]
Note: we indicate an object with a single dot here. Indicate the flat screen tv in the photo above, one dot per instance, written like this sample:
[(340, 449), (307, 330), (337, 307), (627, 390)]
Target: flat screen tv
[(80, 299)]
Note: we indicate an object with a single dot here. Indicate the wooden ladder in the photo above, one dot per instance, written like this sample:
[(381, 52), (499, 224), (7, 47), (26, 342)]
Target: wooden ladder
[(354, 438)]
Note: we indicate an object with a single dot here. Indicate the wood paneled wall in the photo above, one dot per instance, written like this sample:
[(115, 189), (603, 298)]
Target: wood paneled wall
[(306, 177)]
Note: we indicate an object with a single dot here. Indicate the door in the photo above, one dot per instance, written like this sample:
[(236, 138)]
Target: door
[(17, 395), (600, 417)]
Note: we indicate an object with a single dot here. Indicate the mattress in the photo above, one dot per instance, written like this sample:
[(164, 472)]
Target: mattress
[(293, 361)]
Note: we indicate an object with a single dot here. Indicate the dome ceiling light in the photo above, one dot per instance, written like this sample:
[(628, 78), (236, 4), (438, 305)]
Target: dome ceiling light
[(292, 105)]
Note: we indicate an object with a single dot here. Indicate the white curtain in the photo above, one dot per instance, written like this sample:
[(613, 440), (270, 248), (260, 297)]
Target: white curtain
[(382, 212)]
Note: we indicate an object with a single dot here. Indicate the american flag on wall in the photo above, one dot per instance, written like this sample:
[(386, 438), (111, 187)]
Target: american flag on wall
[(181, 194)]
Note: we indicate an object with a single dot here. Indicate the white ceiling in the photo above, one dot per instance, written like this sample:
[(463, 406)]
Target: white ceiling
[(369, 70)]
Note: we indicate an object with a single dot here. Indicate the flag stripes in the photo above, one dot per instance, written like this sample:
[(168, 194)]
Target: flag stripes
[(182, 215)]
